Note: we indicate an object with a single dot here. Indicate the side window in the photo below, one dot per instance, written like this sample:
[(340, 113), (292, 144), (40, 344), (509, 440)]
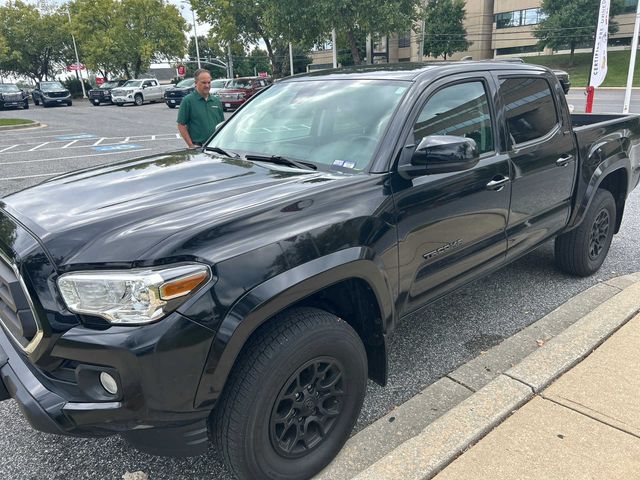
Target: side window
[(153, 83), (461, 110), (531, 111)]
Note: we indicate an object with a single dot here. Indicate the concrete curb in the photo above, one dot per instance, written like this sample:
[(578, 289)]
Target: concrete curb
[(24, 126), (519, 368)]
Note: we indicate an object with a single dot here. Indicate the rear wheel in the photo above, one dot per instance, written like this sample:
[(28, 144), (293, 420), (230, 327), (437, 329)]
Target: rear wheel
[(293, 397), (583, 250)]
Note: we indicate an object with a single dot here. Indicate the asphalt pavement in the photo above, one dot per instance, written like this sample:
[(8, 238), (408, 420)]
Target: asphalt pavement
[(425, 347)]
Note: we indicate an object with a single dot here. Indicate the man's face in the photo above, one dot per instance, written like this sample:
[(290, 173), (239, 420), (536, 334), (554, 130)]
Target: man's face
[(203, 84)]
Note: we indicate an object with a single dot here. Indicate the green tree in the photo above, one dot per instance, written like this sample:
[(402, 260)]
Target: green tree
[(572, 23), (96, 26), (126, 36), (38, 44), (444, 32), (250, 21), (351, 17), (300, 59)]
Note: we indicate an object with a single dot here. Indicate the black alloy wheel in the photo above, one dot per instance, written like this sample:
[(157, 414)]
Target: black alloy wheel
[(292, 398), (307, 407), (582, 250)]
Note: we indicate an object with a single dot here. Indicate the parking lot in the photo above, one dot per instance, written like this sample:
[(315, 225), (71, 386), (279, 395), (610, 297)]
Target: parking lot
[(427, 346)]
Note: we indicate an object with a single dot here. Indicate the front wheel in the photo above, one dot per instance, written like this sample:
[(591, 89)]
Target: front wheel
[(26, 105), (583, 250), (138, 100), (96, 103), (293, 397)]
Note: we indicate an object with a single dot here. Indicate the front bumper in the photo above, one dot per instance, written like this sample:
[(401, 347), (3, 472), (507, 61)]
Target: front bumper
[(55, 100), (121, 100), (173, 101), (232, 104), (157, 367)]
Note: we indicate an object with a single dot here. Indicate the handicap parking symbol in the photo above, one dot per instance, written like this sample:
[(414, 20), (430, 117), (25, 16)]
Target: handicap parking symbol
[(115, 148)]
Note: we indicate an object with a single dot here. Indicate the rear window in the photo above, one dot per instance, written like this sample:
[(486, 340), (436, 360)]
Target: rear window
[(531, 110)]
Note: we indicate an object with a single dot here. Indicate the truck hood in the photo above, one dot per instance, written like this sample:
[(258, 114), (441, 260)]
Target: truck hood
[(115, 214)]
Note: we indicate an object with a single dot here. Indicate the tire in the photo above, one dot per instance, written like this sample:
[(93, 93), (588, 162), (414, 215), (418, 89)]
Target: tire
[(26, 105), (138, 100), (96, 103), (583, 250), (45, 104), (291, 355), (69, 103), (36, 101)]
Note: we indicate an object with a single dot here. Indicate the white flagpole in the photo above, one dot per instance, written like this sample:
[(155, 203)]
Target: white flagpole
[(632, 63)]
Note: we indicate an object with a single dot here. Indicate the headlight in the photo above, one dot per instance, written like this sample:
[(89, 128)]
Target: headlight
[(131, 297)]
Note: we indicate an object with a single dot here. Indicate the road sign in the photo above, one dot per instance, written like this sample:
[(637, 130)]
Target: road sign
[(182, 70), (75, 66)]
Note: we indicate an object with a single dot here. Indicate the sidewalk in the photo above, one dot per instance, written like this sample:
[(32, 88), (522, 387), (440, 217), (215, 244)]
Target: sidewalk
[(586, 425), (567, 407)]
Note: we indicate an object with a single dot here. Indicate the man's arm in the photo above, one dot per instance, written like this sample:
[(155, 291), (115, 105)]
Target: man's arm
[(183, 118), (185, 135)]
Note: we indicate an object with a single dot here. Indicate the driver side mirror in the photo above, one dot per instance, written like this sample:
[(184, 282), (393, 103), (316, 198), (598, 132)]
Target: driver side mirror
[(440, 154)]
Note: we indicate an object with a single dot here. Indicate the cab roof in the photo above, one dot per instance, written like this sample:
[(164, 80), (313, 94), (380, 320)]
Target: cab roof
[(410, 71)]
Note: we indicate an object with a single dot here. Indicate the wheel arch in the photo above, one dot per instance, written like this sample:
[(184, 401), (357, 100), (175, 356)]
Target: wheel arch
[(612, 175), (347, 283)]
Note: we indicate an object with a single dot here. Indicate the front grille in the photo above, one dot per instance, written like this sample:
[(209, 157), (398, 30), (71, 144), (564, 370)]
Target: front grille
[(56, 94), (16, 313), (172, 94), (15, 97), (96, 94)]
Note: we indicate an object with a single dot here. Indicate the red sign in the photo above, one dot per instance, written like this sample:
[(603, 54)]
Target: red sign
[(99, 80), (182, 70), (263, 74), (75, 66)]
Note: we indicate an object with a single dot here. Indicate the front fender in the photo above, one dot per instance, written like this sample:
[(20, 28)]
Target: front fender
[(276, 294)]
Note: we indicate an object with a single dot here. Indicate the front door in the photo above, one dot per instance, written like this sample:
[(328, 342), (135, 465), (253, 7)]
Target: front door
[(451, 226)]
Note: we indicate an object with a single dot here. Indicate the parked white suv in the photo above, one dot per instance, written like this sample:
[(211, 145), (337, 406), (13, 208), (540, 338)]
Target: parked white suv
[(139, 91)]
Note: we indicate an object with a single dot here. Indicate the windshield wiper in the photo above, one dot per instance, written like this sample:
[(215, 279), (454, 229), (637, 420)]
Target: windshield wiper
[(282, 161), (222, 152)]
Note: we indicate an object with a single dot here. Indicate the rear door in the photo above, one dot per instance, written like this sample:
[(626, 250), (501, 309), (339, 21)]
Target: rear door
[(451, 226), (542, 151)]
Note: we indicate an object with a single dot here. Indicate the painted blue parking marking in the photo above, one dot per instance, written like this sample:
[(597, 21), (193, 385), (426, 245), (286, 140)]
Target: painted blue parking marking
[(111, 148), (80, 136)]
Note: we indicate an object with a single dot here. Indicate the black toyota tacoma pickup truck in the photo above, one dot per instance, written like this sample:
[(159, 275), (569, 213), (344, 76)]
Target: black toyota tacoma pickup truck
[(244, 292)]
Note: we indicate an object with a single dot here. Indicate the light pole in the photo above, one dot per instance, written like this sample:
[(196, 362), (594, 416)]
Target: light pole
[(195, 33), (75, 48)]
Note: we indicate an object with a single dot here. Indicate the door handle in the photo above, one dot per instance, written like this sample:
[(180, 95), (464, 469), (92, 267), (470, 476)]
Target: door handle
[(497, 183), (564, 160)]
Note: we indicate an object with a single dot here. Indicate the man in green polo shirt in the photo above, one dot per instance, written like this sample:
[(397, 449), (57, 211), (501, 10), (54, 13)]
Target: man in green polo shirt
[(199, 112)]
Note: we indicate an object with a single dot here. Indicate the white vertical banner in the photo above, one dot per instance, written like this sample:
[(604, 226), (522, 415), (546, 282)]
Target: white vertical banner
[(599, 65)]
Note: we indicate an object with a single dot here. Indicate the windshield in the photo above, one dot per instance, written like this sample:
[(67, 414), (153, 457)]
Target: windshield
[(51, 86), (189, 82), (338, 123), (133, 83), (8, 88), (106, 85), (239, 84), (218, 83)]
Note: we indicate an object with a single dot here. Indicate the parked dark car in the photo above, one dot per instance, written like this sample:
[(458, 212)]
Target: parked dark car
[(102, 94), (51, 93), (11, 96), (563, 78), (239, 90), (246, 290), (173, 96)]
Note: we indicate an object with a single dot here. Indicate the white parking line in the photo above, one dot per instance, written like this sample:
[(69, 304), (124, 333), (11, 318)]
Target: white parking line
[(34, 176), (74, 156), (5, 149), (98, 142), (125, 140), (70, 143), (41, 145)]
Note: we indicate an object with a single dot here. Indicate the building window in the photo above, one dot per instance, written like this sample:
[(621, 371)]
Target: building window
[(518, 18), (517, 50), (404, 40)]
